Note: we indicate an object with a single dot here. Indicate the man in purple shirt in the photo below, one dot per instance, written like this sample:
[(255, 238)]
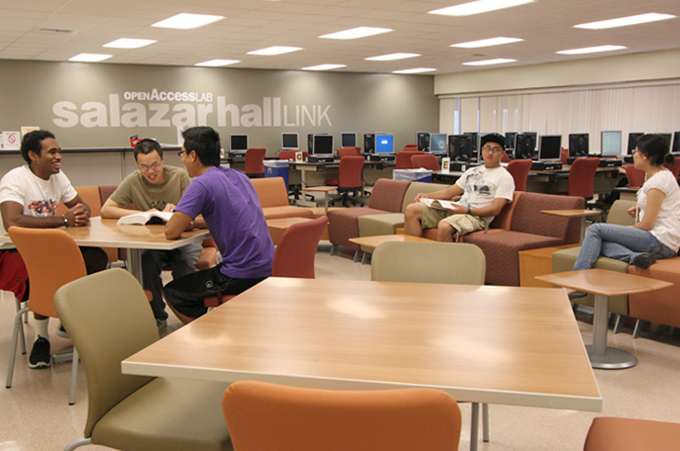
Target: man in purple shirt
[(229, 207)]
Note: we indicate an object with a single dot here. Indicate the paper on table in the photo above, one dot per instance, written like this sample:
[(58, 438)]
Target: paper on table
[(147, 217)]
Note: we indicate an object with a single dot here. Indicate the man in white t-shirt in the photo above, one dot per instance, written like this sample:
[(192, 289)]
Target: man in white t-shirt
[(29, 196), (485, 191)]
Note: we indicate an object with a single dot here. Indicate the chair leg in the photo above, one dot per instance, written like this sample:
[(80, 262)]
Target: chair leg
[(617, 323), (334, 249), (364, 258), (356, 256), (636, 329), (78, 443), (13, 350), (21, 331), (485, 422), (74, 377)]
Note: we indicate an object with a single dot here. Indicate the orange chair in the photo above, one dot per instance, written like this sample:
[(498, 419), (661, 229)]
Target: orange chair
[(52, 259), (294, 255), (255, 162), (403, 159), (290, 154), (627, 434), (349, 152), (411, 147), (519, 169), (350, 180), (582, 177), (263, 416), (675, 167), (564, 155), (636, 177), (425, 160)]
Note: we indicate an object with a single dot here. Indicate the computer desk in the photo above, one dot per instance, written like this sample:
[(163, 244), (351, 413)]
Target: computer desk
[(482, 344)]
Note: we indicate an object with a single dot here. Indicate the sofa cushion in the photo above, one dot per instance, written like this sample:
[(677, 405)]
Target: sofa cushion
[(563, 260), (527, 216), (659, 306), (271, 191), (288, 211), (501, 251), (388, 195), (419, 187), (343, 224)]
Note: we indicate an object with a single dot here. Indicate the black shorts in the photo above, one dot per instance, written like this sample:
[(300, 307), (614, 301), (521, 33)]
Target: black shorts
[(186, 293)]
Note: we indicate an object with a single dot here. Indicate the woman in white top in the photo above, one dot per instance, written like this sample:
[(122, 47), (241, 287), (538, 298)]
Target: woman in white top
[(656, 234)]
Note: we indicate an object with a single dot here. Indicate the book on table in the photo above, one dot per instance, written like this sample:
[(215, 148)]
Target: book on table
[(146, 218), (439, 204)]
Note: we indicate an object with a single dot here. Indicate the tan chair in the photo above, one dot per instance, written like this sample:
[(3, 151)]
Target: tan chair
[(109, 319), (273, 196), (263, 416), (626, 434), (425, 262), (52, 259)]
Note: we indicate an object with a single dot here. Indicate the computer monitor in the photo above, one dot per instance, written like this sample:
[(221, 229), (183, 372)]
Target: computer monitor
[(510, 140), (369, 142), (460, 148), (579, 145), (525, 143), (438, 143), (611, 143), (667, 137), (239, 143), (289, 141), (550, 148), (348, 139), (632, 141), (322, 145), (384, 144), (676, 143), (423, 140)]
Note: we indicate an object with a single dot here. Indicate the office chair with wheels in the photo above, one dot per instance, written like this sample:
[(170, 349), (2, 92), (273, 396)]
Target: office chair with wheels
[(349, 180), (425, 161), (109, 319), (433, 262), (349, 152), (636, 177), (627, 434), (52, 259), (411, 147), (294, 255), (582, 177), (403, 159), (255, 162), (519, 169), (263, 416), (675, 167)]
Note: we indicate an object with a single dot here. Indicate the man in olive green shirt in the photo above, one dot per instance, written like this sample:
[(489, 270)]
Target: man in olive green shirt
[(154, 187)]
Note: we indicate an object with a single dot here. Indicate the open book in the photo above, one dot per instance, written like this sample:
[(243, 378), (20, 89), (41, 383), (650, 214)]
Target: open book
[(145, 218), (438, 203)]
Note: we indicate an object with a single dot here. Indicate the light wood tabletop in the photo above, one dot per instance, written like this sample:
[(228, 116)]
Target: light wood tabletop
[(372, 242), (284, 223), (487, 344)]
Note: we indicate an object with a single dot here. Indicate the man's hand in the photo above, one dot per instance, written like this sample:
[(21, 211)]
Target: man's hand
[(420, 196), (169, 207), (458, 210), (77, 216)]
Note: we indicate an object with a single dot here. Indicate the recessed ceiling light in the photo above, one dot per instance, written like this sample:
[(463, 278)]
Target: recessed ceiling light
[(393, 57), (354, 33), (481, 6), (601, 48), (185, 21), (490, 62), (217, 63), (129, 43), (276, 50), (417, 70), (90, 57), (324, 67), (486, 43), (625, 21)]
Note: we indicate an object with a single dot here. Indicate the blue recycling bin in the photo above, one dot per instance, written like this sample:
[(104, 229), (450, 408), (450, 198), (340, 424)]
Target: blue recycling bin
[(413, 175), (277, 168)]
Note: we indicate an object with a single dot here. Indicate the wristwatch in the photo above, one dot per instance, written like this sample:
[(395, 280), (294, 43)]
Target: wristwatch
[(469, 212), (65, 221)]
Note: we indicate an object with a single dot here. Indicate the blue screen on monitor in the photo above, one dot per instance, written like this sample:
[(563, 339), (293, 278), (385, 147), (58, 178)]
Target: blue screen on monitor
[(438, 143), (384, 143)]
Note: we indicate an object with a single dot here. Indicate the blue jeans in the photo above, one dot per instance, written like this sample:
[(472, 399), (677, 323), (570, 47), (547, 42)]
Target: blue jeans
[(619, 242)]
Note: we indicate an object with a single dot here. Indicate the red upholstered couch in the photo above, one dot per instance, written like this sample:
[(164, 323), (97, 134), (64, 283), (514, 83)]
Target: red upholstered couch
[(662, 306), (520, 226)]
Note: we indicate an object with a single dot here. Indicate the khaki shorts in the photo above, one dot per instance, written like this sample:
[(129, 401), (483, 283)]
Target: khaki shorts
[(462, 224)]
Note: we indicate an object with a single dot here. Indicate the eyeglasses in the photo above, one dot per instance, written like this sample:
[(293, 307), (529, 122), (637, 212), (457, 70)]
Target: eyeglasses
[(488, 148), (180, 153), (145, 168)]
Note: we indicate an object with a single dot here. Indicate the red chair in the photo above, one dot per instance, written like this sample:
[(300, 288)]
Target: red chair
[(635, 176), (349, 152), (411, 147), (582, 177), (255, 162), (349, 180), (294, 255), (505, 158), (675, 167), (425, 161), (403, 159), (519, 169), (290, 154), (564, 155)]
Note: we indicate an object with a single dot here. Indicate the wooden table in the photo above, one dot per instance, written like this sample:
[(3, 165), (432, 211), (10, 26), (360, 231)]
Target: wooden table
[(603, 284), (106, 233), (371, 242), (536, 262), (483, 344), (583, 214), (278, 226), (322, 189)]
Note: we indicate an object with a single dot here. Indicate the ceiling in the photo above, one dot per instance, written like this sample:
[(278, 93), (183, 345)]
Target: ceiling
[(546, 27)]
